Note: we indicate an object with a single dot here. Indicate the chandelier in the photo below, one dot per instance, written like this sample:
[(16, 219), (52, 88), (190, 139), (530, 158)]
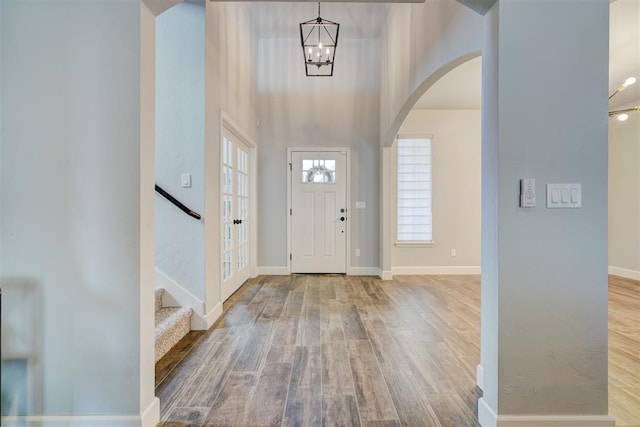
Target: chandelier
[(319, 39), (623, 114)]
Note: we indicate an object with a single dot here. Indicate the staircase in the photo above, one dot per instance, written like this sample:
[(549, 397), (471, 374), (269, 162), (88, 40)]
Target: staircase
[(172, 324)]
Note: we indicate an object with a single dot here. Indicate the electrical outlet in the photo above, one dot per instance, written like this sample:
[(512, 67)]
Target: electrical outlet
[(357, 252), (454, 252)]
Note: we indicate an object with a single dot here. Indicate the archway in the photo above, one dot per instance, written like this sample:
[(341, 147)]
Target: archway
[(386, 159)]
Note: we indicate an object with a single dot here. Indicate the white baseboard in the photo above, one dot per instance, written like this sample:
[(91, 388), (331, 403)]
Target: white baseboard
[(274, 271), (77, 421), (177, 295), (460, 269), (623, 272), (480, 377), (363, 271), (213, 315), (386, 275), (150, 417), (488, 418)]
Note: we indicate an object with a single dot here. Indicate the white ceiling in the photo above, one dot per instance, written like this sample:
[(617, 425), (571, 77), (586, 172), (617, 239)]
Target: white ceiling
[(281, 19), (624, 50)]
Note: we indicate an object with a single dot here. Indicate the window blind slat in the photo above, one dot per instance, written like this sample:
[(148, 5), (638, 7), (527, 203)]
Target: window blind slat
[(414, 221)]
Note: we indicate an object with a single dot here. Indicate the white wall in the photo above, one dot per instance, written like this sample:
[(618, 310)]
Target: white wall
[(420, 43), (300, 111), (230, 52), (180, 73), (456, 192), (70, 198), (624, 196)]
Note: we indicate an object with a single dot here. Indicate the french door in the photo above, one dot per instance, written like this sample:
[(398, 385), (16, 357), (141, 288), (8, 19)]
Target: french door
[(236, 222), (319, 212)]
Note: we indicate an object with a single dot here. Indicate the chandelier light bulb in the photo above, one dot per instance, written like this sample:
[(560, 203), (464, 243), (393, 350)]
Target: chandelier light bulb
[(320, 46), (622, 117), (629, 81), (310, 51), (327, 51)]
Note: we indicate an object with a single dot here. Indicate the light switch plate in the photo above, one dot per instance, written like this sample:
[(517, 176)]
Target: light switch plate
[(564, 196), (186, 180)]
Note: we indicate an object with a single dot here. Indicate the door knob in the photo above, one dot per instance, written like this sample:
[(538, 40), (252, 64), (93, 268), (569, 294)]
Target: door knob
[(342, 218), (342, 210)]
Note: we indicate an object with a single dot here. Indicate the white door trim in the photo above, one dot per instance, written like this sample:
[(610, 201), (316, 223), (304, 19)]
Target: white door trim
[(229, 125), (290, 150)]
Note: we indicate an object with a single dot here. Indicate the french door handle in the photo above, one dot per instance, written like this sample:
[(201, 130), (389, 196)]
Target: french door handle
[(342, 218), (237, 221)]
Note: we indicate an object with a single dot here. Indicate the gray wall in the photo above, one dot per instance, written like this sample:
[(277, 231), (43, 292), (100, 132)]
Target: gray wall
[(230, 57), (544, 279), (489, 211), (300, 111), (70, 198), (420, 43), (179, 239)]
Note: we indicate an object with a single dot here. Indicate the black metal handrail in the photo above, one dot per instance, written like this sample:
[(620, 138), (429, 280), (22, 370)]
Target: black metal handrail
[(176, 202)]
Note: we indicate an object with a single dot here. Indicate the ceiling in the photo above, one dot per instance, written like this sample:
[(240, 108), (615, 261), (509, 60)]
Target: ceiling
[(624, 50), (281, 19)]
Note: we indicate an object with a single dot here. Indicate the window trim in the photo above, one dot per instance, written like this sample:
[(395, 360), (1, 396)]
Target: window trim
[(415, 244), (412, 243)]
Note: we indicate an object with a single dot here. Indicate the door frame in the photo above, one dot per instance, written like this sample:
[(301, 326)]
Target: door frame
[(228, 125), (346, 150)]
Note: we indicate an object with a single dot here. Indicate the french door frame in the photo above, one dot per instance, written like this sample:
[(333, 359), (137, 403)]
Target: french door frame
[(228, 126), (346, 150)]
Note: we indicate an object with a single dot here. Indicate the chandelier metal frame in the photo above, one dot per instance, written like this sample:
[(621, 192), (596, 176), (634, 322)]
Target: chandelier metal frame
[(319, 39)]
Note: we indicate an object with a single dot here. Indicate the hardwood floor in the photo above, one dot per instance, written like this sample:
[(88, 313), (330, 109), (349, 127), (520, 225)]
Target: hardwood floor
[(624, 351), (312, 350)]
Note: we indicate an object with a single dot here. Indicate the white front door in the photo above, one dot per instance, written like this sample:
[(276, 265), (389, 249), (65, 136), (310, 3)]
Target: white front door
[(319, 212), (235, 215)]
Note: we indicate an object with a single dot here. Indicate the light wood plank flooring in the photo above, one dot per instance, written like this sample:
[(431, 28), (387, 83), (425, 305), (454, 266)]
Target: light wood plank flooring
[(356, 351), (624, 351), (312, 350)]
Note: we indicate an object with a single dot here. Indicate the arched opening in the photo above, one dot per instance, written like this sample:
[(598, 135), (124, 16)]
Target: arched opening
[(448, 206)]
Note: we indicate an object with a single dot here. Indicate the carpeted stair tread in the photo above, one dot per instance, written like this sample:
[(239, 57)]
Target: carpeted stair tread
[(172, 323), (159, 293)]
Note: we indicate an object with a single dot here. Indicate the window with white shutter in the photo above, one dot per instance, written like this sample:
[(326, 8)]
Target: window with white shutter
[(414, 190)]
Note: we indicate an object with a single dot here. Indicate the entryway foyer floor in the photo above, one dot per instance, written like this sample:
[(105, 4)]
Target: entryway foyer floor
[(315, 350)]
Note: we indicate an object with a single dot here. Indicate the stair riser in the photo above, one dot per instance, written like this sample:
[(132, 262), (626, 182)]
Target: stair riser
[(159, 293), (171, 335)]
